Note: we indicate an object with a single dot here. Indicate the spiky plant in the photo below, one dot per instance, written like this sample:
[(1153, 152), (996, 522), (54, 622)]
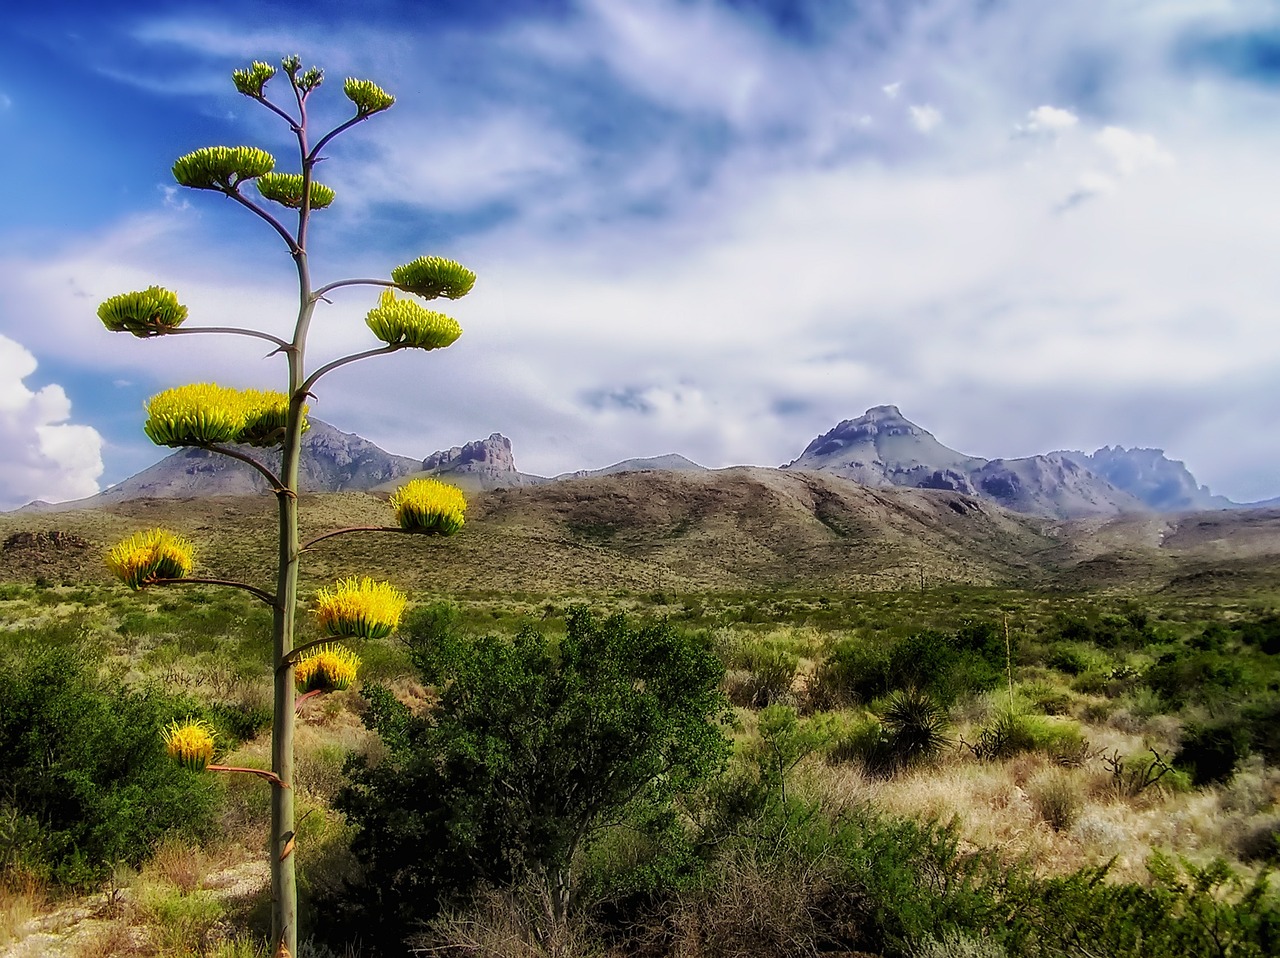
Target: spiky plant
[(915, 727), (225, 420), (190, 743)]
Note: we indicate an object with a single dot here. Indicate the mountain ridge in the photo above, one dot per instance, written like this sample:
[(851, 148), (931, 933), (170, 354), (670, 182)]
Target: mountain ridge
[(879, 449)]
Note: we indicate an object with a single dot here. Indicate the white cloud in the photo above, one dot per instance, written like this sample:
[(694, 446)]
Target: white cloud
[(891, 90), (1131, 152), (45, 457), (1050, 120), (925, 118)]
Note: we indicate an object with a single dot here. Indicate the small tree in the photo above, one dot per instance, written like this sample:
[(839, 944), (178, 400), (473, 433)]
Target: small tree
[(225, 421), (534, 746)]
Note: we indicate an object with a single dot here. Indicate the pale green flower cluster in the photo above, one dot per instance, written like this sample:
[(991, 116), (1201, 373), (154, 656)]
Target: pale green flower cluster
[(403, 322), (222, 167), (204, 414)]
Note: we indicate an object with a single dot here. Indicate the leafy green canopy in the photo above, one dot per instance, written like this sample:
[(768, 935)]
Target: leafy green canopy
[(86, 779), (535, 745)]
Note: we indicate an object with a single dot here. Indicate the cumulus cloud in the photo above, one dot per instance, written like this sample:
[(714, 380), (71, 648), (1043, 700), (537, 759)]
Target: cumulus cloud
[(924, 118), (45, 456), (1048, 121), (1131, 152)]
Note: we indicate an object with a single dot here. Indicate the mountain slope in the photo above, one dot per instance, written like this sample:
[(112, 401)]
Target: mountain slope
[(332, 461), (671, 462), (882, 448), (1164, 484)]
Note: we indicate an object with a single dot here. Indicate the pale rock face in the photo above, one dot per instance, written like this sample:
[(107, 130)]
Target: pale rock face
[(484, 455)]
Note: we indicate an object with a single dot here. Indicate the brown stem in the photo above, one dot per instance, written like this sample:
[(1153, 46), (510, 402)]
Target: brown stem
[(297, 703), (381, 351), (233, 330), (290, 660), (266, 597), (320, 293), (271, 777), (340, 532), (276, 484)]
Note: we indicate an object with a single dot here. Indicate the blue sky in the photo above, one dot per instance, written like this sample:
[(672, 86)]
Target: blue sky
[(712, 228)]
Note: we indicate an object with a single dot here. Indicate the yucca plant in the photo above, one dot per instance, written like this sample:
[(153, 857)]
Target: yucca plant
[(226, 421)]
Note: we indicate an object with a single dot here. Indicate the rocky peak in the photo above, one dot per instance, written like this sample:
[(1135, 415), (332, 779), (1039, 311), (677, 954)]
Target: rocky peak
[(487, 455)]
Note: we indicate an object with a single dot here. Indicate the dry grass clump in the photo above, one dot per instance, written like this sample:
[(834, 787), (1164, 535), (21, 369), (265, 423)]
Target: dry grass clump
[(22, 898), (504, 923), (1057, 798)]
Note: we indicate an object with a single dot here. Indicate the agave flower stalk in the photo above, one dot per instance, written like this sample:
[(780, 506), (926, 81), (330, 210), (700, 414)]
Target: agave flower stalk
[(222, 420)]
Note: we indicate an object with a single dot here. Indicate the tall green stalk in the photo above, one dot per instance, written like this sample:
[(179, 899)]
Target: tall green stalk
[(209, 417)]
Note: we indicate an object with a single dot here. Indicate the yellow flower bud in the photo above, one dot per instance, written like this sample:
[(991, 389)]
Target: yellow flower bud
[(326, 668), (251, 80), (148, 312), (190, 742), (286, 189), (433, 276), (402, 322), (222, 167), (367, 96), (429, 506), (360, 608), (147, 556)]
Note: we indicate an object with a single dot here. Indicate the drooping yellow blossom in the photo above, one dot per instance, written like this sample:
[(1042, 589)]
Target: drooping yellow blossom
[(286, 189), (360, 608), (402, 322), (326, 668), (222, 167), (202, 414), (367, 96), (194, 415), (430, 506), (147, 556), (147, 312), (190, 742), (433, 276)]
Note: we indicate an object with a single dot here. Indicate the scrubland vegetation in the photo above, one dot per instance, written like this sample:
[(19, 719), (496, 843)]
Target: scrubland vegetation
[(946, 773)]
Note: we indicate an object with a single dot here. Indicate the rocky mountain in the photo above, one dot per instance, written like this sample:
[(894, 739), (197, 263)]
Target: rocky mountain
[(332, 461), (671, 462), (1164, 484), (883, 448), (481, 465)]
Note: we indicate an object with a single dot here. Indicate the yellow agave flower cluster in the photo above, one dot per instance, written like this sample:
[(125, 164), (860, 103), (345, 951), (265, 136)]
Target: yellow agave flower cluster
[(368, 97), (286, 189), (190, 742), (429, 506), (202, 414), (147, 556), (326, 668), (402, 322), (433, 276), (360, 608), (147, 312), (222, 167), (252, 79)]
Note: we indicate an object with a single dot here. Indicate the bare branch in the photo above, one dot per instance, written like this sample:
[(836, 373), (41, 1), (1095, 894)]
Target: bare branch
[(232, 330), (274, 223), (276, 484), (319, 294), (341, 532), (271, 777), (311, 380), (266, 597), (293, 124), (341, 128), (290, 660)]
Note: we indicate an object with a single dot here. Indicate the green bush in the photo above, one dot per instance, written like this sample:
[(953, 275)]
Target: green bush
[(534, 747), (85, 769), (1183, 677), (1211, 751), (945, 665)]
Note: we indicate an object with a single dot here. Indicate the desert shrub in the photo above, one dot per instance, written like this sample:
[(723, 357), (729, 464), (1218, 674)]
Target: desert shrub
[(1262, 632), (1261, 717), (861, 741), (1211, 750), (915, 727), (1069, 659), (1013, 731), (535, 745), (84, 767), (1057, 799), (1129, 628), (769, 669), (945, 665), (1183, 676)]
